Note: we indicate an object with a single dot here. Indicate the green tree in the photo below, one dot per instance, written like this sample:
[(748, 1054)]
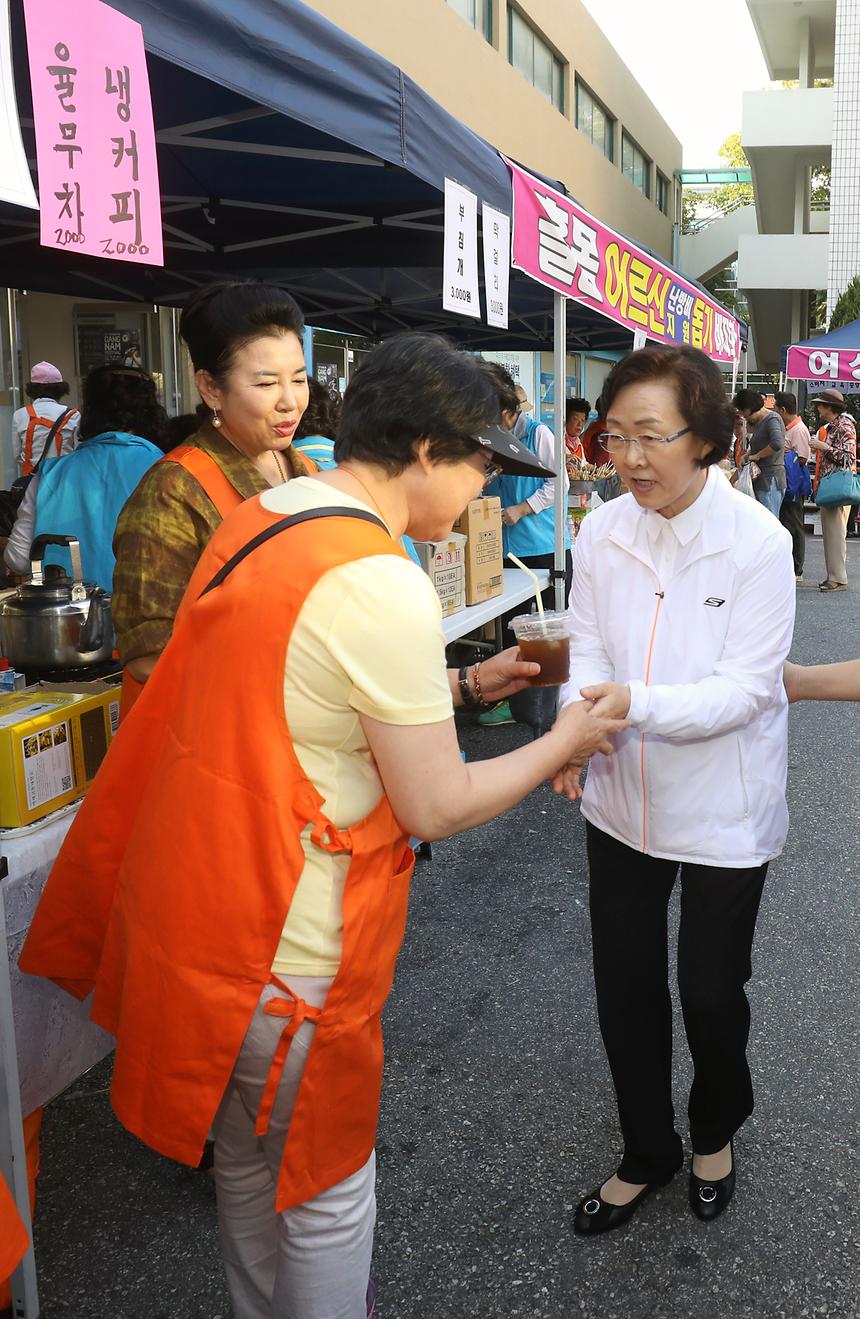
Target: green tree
[(724, 198), (847, 308), (819, 190)]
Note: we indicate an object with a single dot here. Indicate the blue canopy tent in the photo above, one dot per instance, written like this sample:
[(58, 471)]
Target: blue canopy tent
[(844, 340), (287, 150)]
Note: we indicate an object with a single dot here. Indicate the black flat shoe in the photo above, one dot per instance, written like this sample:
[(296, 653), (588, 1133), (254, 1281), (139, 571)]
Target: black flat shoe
[(595, 1215), (709, 1199)]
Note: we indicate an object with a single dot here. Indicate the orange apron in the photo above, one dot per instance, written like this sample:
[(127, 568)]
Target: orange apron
[(171, 891), (14, 1239), (27, 465), (224, 496)]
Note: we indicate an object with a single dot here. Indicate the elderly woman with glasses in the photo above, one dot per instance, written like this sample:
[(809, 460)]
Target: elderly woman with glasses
[(682, 614)]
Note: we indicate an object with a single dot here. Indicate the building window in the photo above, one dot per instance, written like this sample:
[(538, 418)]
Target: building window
[(529, 53), (594, 121), (478, 13), (635, 165), (664, 192)]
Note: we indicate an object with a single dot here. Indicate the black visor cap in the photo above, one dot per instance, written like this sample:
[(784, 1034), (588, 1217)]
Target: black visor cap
[(513, 458)]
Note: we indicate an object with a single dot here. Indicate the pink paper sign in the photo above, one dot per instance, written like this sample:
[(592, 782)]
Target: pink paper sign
[(824, 364), (561, 245), (95, 140)]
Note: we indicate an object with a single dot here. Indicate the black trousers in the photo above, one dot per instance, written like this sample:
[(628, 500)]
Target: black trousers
[(629, 898), (791, 517)]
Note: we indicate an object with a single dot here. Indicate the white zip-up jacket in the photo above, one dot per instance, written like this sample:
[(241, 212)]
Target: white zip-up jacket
[(701, 775)]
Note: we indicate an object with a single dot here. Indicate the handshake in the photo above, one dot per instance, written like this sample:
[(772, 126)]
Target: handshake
[(586, 728)]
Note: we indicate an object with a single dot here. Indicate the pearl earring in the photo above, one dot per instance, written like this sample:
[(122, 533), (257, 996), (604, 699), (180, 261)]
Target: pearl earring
[(216, 420)]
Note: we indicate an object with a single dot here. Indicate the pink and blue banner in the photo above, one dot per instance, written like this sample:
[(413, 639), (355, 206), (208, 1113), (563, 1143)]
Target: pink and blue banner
[(562, 246), (95, 139), (827, 366)]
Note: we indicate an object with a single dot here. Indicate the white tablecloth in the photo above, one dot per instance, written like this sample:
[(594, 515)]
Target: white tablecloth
[(55, 1041), (518, 589)]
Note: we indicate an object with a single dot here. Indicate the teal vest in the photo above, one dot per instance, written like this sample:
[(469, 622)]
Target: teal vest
[(82, 494), (534, 534)]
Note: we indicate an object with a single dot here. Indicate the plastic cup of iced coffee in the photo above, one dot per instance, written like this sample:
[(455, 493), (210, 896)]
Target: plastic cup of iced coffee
[(544, 639)]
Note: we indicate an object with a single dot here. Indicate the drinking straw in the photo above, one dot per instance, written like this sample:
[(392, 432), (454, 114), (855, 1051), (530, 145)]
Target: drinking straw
[(533, 576)]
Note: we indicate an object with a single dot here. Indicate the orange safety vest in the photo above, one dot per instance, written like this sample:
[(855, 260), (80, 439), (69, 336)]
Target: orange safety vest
[(225, 498), (170, 893), (27, 464), (14, 1238)]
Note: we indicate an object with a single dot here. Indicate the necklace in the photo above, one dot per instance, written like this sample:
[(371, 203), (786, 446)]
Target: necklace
[(368, 492), (282, 471), (279, 464)]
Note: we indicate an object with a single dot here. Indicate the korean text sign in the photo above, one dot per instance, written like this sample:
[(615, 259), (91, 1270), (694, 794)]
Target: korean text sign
[(460, 256), (95, 140), (824, 364), (561, 245), (497, 264)]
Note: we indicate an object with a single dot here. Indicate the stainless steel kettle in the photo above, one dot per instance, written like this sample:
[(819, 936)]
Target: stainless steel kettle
[(62, 623)]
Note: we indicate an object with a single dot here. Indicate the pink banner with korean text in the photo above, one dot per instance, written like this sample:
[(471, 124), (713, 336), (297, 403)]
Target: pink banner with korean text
[(561, 245), (95, 139), (827, 367)]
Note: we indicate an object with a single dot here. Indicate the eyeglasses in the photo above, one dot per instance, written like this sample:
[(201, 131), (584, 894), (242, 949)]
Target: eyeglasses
[(491, 471), (614, 443)]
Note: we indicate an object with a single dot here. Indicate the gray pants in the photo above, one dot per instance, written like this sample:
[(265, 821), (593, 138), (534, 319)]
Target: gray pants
[(310, 1262), (833, 524)]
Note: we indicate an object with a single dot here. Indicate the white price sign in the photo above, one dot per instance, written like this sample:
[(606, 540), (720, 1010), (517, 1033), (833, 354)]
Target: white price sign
[(460, 260), (497, 264)]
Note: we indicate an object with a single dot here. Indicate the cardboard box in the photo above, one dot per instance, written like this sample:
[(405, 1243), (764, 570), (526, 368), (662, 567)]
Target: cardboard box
[(452, 595), (444, 561), (52, 740), (481, 523)]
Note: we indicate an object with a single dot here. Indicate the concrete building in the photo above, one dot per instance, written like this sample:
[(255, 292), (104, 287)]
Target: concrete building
[(787, 250), (538, 80)]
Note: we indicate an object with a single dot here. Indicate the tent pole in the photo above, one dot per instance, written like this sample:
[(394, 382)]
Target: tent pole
[(735, 365), (560, 372), (176, 359)]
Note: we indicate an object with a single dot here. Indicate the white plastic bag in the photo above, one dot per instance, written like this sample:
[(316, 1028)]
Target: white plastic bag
[(745, 481)]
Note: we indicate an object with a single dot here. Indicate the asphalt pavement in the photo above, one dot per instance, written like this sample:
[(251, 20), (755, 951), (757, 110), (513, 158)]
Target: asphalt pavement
[(497, 1109)]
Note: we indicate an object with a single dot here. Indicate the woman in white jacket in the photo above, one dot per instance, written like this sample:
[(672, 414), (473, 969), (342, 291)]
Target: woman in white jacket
[(682, 611)]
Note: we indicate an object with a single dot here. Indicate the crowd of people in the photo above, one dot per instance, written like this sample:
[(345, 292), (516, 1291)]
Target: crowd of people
[(234, 889), (779, 450)]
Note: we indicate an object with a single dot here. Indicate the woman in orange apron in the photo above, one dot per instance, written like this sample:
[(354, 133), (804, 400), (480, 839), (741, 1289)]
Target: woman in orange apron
[(235, 887), (249, 335), (14, 1238)]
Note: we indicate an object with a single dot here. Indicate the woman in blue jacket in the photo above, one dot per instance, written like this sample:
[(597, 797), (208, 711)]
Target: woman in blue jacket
[(123, 431), (528, 502)]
